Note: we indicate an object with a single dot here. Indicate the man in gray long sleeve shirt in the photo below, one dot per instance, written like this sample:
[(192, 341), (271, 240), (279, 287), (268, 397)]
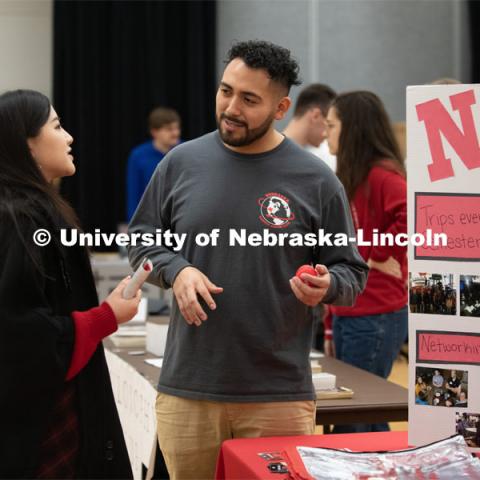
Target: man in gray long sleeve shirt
[(250, 360)]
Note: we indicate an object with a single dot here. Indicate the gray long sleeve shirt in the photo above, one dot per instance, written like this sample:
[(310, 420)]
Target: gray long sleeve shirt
[(255, 346)]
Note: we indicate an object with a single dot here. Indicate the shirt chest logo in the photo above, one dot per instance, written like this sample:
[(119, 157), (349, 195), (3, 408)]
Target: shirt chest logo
[(275, 210)]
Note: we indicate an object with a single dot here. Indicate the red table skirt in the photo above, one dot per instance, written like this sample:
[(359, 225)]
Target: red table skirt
[(238, 459)]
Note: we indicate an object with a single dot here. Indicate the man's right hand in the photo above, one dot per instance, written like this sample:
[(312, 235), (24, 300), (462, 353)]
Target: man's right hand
[(189, 283)]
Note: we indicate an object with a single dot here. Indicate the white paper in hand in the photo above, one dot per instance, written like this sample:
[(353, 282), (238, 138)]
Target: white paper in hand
[(138, 279)]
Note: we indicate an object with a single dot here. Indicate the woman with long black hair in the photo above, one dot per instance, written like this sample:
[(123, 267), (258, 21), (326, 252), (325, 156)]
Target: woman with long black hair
[(57, 412), (370, 334)]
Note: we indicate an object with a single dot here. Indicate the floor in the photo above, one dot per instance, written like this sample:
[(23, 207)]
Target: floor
[(399, 376)]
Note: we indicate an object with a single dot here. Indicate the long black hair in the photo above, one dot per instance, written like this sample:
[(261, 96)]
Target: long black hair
[(366, 138), (23, 113)]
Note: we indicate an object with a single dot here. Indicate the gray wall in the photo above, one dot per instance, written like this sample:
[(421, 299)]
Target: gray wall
[(26, 45), (379, 45)]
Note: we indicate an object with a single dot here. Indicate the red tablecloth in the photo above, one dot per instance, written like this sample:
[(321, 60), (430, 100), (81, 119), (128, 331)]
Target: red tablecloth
[(238, 459)]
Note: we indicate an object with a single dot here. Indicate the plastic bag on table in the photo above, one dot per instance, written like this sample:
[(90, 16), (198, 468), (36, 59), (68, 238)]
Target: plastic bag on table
[(442, 460)]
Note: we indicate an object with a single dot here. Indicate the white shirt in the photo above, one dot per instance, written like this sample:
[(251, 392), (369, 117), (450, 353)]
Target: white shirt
[(324, 153)]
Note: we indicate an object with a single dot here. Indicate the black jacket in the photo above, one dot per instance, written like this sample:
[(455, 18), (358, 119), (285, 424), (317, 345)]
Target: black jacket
[(39, 288)]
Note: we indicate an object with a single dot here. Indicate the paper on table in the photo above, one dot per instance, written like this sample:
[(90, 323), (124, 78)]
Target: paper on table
[(324, 381), (156, 362), (130, 331), (141, 315)]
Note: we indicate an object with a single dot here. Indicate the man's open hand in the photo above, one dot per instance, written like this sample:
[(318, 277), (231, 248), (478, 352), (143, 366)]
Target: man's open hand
[(188, 284)]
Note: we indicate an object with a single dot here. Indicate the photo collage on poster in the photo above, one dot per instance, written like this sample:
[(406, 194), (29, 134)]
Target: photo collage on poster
[(467, 424), (435, 293), (432, 293), (439, 387), (470, 295)]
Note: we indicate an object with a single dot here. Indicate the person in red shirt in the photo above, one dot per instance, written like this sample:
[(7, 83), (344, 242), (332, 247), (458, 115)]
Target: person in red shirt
[(369, 164)]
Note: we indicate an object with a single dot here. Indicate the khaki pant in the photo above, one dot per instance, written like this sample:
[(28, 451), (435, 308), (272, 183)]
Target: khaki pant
[(190, 432)]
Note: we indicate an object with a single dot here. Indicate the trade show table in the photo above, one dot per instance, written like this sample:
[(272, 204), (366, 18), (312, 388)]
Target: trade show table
[(375, 400), (134, 384)]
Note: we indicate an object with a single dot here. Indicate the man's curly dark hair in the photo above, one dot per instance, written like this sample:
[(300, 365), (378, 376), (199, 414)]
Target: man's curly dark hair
[(276, 60)]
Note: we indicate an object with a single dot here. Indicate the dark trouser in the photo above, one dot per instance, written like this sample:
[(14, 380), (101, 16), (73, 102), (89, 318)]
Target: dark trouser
[(371, 343)]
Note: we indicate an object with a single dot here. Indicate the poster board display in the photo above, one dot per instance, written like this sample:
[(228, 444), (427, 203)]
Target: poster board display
[(443, 167)]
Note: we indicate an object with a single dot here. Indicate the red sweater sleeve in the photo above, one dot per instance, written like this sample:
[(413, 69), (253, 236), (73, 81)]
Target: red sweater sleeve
[(394, 205), (91, 327)]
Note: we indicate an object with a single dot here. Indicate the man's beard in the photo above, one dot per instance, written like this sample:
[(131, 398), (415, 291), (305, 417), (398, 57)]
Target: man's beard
[(249, 137)]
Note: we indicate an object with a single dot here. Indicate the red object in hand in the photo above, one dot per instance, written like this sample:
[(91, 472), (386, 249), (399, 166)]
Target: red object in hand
[(306, 269)]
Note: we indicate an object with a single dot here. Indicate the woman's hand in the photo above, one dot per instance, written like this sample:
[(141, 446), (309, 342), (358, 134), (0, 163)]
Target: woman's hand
[(124, 310), (329, 348)]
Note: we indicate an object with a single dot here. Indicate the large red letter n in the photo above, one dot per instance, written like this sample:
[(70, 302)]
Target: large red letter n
[(437, 120)]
